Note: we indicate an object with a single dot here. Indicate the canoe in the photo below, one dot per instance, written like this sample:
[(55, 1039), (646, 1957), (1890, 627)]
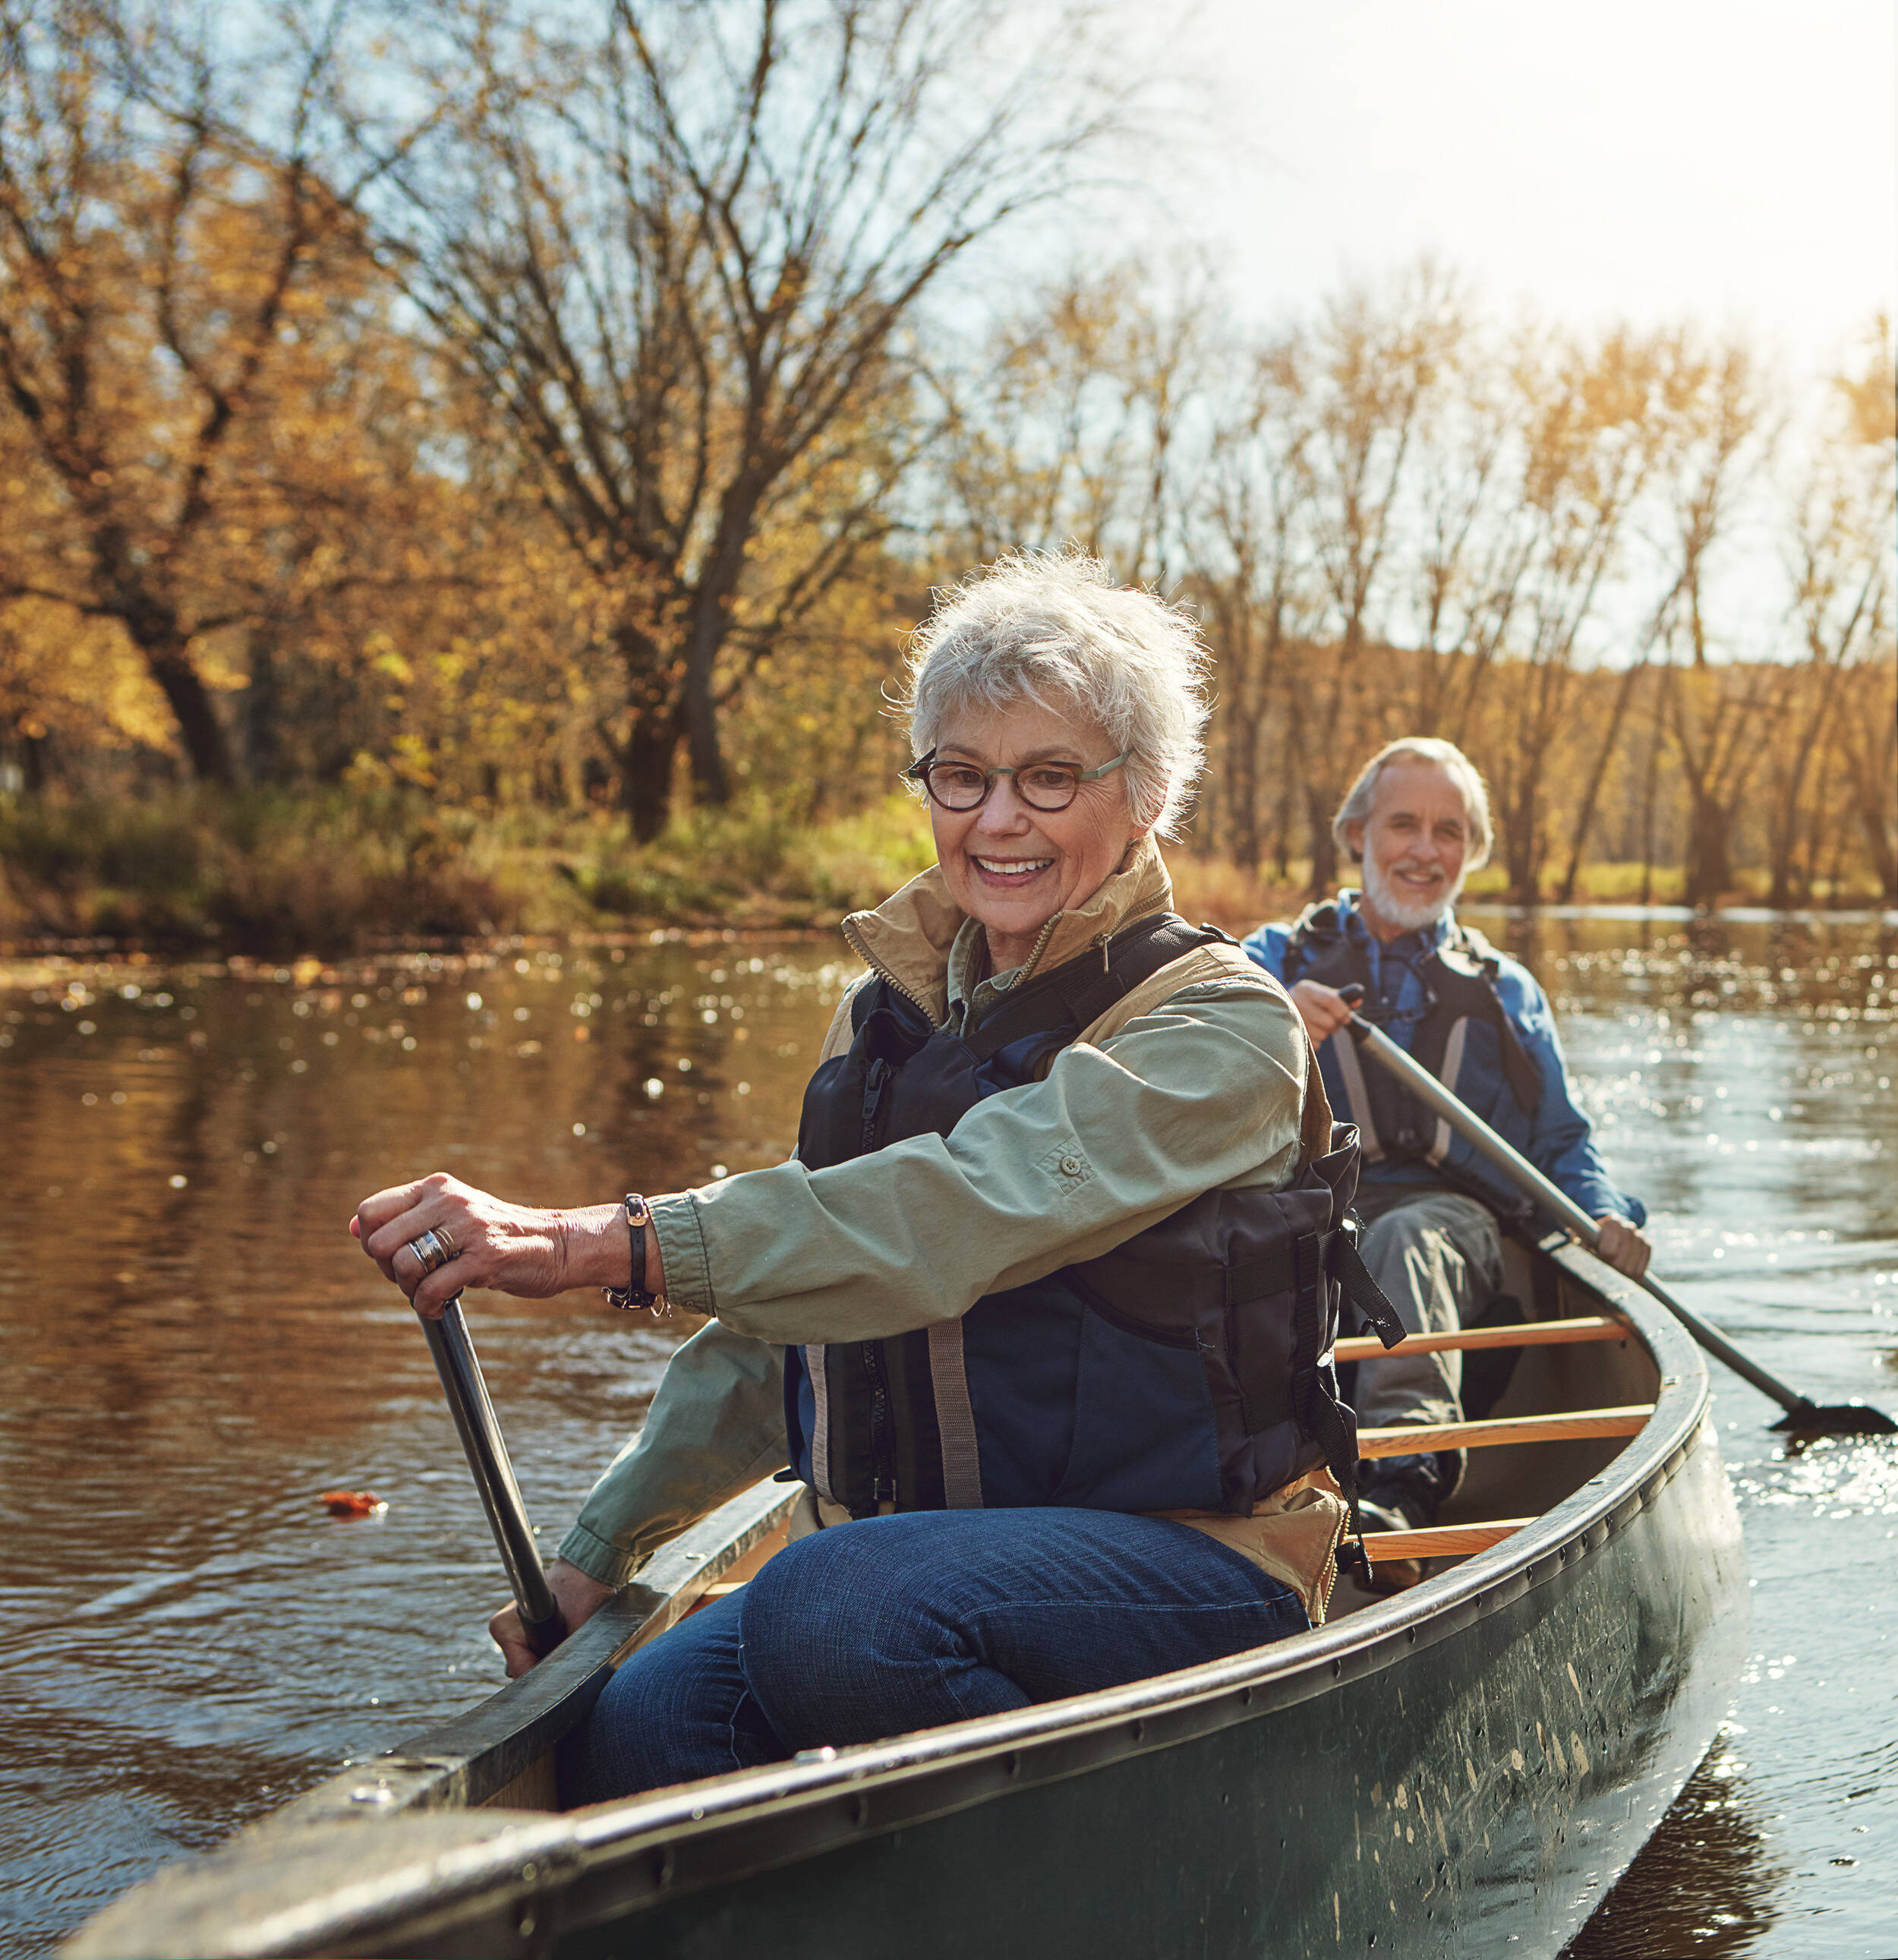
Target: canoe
[(1461, 1769)]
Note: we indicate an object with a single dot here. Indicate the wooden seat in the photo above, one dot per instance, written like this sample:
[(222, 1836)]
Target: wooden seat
[(1409, 1439), (1440, 1541), (1523, 1333)]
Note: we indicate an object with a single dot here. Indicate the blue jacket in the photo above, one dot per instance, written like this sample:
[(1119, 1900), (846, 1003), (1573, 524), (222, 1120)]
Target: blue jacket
[(1557, 1139)]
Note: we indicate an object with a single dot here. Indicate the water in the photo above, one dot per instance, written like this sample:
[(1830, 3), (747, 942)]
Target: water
[(196, 1350)]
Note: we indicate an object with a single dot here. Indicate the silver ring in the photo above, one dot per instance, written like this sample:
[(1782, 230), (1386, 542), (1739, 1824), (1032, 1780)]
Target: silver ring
[(429, 1249)]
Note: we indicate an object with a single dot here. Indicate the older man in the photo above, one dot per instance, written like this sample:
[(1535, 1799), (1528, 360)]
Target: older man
[(1417, 818)]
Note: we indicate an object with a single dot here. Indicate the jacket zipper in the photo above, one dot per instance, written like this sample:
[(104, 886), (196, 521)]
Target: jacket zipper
[(882, 1455), (882, 972)]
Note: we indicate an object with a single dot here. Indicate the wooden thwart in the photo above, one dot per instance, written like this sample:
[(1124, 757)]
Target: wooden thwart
[(1409, 1439), (1441, 1541), (1525, 1333)]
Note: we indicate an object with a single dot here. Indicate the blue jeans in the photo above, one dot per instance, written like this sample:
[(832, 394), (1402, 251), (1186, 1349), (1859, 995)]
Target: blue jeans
[(890, 1624)]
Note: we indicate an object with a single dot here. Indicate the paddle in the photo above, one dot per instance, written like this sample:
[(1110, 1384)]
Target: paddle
[(1803, 1415), (481, 1439)]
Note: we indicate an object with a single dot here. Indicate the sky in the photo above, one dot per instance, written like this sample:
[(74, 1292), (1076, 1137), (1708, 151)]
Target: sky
[(1645, 160)]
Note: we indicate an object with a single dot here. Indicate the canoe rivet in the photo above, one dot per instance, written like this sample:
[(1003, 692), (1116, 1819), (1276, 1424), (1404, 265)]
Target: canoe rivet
[(1337, 1668), (860, 1810), (663, 1865), (1410, 1634), (524, 1921)]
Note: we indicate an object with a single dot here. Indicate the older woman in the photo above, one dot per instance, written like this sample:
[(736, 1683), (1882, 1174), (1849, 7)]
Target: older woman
[(1026, 1312)]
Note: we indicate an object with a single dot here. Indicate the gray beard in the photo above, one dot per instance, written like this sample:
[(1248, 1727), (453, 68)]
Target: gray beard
[(1406, 916)]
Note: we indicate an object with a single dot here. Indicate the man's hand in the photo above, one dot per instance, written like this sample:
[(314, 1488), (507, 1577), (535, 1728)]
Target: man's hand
[(1622, 1246), (1323, 1010), (579, 1598)]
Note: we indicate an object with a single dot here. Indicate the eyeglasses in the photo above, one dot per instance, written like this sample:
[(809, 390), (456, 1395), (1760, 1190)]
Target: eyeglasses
[(1047, 787)]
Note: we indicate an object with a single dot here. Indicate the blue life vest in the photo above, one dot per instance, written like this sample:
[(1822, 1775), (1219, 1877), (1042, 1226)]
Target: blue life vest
[(1187, 1369), (1463, 1010)]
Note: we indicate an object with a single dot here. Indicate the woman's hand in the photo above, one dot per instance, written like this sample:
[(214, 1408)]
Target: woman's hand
[(1323, 1010), (579, 1598), (515, 1248)]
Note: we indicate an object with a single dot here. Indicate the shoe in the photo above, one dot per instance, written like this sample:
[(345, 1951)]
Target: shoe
[(1399, 1503), (1405, 1502)]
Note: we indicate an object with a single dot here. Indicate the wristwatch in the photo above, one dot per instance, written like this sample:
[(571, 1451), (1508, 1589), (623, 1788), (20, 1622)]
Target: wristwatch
[(636, 1293)]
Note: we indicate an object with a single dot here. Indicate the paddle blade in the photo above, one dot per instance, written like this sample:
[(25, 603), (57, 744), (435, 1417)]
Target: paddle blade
[(1836, 1419)]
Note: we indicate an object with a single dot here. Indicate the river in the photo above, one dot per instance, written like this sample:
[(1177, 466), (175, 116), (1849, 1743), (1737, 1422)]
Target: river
[(196, 1350)]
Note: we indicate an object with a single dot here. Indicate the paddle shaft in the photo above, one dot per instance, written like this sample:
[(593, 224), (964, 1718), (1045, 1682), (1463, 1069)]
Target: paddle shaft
[(1530, 1181), (481, 1439)]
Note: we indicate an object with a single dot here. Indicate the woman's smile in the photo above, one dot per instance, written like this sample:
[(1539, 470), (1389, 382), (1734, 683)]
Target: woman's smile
[(1009, 873)]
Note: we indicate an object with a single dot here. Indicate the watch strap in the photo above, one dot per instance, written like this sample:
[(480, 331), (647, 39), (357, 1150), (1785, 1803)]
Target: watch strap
[(635, 1293)]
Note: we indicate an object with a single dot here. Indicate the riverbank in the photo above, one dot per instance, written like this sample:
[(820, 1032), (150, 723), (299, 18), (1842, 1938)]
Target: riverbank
[(334, 875), (328, 874)]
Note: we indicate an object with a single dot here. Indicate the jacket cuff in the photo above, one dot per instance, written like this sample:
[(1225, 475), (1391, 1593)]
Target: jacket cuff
[(1599, 1199), (598, 1558), (682, 1248)]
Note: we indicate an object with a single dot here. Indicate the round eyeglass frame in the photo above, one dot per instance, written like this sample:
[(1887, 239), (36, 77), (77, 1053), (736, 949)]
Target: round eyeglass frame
[(924, 767)]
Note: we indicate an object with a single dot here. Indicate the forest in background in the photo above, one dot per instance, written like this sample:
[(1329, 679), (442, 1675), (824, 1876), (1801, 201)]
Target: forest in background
[(473, 472)]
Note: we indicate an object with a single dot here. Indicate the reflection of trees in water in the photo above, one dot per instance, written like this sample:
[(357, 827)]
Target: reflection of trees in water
[(1703, 1884)]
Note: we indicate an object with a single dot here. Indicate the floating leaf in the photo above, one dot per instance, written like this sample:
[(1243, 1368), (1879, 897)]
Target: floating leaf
[(352, 1503)]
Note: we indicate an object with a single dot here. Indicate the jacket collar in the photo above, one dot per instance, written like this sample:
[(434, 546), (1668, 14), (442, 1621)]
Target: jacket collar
[(1406, 945), (911, 936)]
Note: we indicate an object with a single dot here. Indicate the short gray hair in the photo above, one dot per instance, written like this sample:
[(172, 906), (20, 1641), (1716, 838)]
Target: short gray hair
[(1054, 628), (1362, 794)]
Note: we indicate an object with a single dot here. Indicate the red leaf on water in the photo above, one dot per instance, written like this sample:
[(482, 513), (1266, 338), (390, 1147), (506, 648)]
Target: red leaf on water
[(352, 1503)]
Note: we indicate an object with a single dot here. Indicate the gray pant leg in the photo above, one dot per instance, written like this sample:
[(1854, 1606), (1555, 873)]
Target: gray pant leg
[(1439, 1260)]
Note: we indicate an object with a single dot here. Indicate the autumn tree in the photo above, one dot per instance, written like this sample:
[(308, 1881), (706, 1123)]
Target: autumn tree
[(680, 247), (1840, 543), (151, 275), (1378, 358), (1259, 590), (1706, 415), (1070, 422)]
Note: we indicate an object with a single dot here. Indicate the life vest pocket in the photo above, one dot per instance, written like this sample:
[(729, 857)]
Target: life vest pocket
[(1145, 1434)]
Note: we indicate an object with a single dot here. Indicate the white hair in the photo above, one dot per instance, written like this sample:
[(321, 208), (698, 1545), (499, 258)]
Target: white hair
[(1362, 794), (1053, 628)]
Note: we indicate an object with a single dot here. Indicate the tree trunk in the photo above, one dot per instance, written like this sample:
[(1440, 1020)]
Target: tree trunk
[(1244, 846), (1807, 742), (711, 781), (1324, 850), (1869, 758), (170, 665), (1584, 817), (646, 774), (1651, 778), (1522, 855), (1709, 869), (261, 707), (645, 757)]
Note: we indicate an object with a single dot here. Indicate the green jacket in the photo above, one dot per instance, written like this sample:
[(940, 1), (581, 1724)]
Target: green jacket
[(1197, 1079)]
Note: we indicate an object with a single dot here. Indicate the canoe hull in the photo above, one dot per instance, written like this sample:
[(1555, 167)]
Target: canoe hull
[(1462, 1770), (1475, 1797)]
